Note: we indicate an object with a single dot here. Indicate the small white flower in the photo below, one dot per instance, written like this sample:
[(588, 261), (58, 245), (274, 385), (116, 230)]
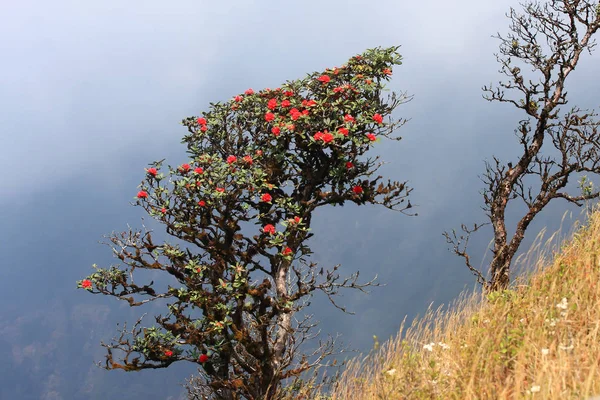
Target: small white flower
[(522, 320), (429, 346), (545, 352), (391, 372), (444, 345), (487, 321), (563, 304), (535, 389)]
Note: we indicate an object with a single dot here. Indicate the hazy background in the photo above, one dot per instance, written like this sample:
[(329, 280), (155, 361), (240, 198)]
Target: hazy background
[(93, 91)]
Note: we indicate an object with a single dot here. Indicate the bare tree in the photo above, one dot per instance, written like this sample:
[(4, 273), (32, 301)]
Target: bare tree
[(549, 38)]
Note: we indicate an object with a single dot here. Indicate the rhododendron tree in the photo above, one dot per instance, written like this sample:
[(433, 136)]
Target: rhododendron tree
[(241, 209)]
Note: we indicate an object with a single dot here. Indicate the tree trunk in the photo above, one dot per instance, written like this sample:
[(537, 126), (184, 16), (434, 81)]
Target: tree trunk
[(500, 269)]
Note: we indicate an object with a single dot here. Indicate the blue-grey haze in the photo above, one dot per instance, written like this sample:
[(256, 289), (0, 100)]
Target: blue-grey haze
[(92, 91)]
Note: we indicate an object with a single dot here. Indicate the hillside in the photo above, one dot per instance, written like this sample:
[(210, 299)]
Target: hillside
[(540, 339)]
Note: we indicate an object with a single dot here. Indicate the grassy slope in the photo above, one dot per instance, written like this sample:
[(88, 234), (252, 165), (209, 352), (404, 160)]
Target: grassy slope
[(541, 339)]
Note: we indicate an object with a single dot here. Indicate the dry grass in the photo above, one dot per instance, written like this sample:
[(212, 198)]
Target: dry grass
[(540, 339)]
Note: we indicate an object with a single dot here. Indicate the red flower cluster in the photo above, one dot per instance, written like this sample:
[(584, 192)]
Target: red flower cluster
[(324, 79), (142, 194), (387, 71), (152, 171), (343, 131), (184, 168), (220, 189), (270, 229), (272, 104), (349, 165), (324, 136), (199, 170), (238, 98), (287, 251), (201, 203), (357, 189), (249, 92), (295, 114), (371, 137), (86, 284), (266, 197), (285, 103), (168, 353), (231, 159), (348, 118), (308, 103), (276, 130), (203, 358), (378, 118), (269, 117), (163, 210), (248, 160), (202, 123)]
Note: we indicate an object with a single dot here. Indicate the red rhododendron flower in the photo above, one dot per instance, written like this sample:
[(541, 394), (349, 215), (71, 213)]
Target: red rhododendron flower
[(357, 189), (152, 171), (259, 152), (318, 136), (309, 103), (142, 195), (86, 283), (272, 104), (201, 203), (296, 220), (203, 128), (285, 103), (220, 189), (295, 114), (349, 165), (288, 93), (269, 117), (199, 170), (266, 198), (327, 137), (291, 127), (378, 118), (338, 89), (231, 159), (276, 130), (249, 92), (184, 167), (348, 118), (324, 78), (203, 358), (343, 131), (168, 353), (304, 112), (387, 71), (270, 229), (238, 98), (287, 251), (201, 121), (248, 160), (371, 137)]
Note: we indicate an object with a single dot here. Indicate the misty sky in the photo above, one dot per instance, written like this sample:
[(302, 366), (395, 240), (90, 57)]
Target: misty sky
[(93, 91)]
